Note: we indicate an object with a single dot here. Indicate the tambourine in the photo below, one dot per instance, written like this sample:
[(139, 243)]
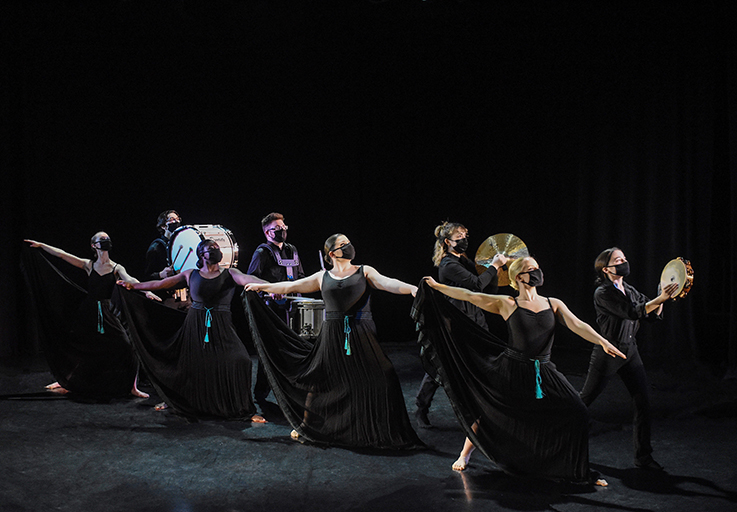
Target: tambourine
[(678, 271)]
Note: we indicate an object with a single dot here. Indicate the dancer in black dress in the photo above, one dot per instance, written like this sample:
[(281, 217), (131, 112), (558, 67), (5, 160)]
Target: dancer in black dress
[(456, 269), (91, 356), (202, 369), (517, 408), (342, 390), (619, 309)]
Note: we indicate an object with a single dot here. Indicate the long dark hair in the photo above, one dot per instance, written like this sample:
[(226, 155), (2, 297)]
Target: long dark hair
[(329, 243), (602, 260)]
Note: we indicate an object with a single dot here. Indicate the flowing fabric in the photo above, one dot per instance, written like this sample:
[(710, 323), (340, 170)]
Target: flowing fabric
[(196, 360), (341, 390), (498, 387), (84, 342)]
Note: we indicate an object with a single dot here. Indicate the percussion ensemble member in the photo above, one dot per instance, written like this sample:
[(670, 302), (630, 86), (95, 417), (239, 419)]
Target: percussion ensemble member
[(456, 269), (341, 389), (204, 369), (619, 309), (274, 261), (157, 255), (522, 412), (92, 357)]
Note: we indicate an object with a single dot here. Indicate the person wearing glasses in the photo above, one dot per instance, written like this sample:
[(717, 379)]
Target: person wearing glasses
[(340, 390), (157, 256), (274, 261), (456, 269)]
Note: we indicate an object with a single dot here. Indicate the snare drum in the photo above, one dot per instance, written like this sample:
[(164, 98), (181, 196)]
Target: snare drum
[(184, 241), (678, 271), (306, 316)]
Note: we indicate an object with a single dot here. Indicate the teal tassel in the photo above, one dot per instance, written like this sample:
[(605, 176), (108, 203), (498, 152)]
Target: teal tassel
[(208, 323), (100, 323), (538, 381), (347, 331)]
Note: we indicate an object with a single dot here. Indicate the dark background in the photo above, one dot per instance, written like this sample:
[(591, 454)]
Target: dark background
[(575, 126)]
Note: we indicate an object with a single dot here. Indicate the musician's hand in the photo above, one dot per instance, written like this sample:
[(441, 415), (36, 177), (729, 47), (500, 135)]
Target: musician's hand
[(612, 350), (167, 272), (668, 292), (153, 296), (127, 285), (276, 296), (499, 261)]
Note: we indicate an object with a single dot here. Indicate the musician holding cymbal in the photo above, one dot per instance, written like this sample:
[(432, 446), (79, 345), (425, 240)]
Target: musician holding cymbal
[(456, 269), (619, 309)]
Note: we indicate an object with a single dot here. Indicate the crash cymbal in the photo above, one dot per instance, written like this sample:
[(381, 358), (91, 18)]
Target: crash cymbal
[(502, 243)]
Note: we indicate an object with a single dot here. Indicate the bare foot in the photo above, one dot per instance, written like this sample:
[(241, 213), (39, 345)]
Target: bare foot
[(162, 406), (461, 463), (256, 418), (138, 393), (56, 388), (294, 434), (601, 482)]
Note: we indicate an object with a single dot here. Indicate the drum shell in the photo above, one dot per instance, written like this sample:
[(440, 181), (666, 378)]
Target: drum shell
[(306, 317)]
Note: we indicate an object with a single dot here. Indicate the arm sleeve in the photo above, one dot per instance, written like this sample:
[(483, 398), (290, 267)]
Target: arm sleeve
[(156, 260), (615, 303), (256, 267), (453, 272)]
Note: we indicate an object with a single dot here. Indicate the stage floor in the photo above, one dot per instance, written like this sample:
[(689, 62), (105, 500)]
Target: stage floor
[(58, 454)]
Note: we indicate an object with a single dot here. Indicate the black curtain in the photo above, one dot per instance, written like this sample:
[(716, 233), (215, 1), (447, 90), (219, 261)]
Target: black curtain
[(575, 127)]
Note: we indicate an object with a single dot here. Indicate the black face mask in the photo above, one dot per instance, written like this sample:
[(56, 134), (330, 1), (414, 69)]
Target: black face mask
[(215, 256), (173, 226), (280, 235), (105, 244), (461, 245), (348, 251), (536, 277), (622, 270)]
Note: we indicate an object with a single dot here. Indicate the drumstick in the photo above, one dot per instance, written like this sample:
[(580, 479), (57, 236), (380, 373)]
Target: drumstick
[(175, 257), (185, 259)]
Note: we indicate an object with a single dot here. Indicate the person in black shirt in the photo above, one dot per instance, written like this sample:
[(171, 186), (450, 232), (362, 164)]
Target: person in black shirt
[(274, 261), (157, 255), (456, 269), (619, 309)]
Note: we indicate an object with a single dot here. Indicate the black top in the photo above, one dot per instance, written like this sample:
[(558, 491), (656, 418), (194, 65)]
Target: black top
[(217, 291), (100, 286), (345, 295), (618, 315), (264, 266), (157, 258), (531, 333), (461, 273)]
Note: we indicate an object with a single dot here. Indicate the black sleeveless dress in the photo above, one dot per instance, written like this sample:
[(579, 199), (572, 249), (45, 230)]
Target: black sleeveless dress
[(196, 361), (531, 419), (341, 390), (87, 349)]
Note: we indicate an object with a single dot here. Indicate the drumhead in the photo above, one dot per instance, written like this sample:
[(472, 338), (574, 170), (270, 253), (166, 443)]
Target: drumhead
[(184, 241)]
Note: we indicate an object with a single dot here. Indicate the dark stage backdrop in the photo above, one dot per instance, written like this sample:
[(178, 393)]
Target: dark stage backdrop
[(576, 126)]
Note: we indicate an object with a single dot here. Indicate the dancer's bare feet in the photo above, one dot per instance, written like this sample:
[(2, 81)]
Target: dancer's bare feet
[(55, 387), (294, 434), (601, 482), (138, 393), (462, 463), (257, 418), (161, 407)]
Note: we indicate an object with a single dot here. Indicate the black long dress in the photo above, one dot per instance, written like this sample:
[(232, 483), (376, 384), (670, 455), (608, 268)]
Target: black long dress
[(341, 390), (199, 370), (525, 428), (84, 342)]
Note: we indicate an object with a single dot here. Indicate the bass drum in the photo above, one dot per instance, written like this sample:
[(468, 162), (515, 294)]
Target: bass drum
[(184, 241)]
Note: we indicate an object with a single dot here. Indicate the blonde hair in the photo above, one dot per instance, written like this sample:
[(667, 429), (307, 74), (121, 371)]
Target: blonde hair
[(443, 232), (515, 268)]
